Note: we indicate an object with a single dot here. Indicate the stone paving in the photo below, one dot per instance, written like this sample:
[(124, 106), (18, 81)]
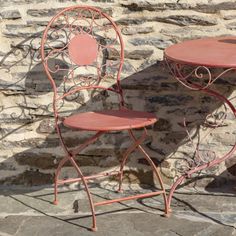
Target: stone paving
[(29, 212)]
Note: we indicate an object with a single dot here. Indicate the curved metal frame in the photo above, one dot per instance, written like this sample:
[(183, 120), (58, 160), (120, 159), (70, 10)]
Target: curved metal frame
[(87, 85), (177, 71)]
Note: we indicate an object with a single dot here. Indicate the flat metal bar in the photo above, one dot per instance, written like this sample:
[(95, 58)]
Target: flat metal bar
[(128, 198), (88, 177)]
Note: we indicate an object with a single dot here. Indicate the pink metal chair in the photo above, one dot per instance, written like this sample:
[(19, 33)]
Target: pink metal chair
[(77, 41)]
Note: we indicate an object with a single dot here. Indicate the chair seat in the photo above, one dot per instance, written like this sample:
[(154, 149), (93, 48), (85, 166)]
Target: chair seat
[(110, 120)]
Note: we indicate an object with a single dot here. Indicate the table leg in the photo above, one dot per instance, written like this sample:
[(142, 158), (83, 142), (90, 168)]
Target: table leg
[(177, 73)]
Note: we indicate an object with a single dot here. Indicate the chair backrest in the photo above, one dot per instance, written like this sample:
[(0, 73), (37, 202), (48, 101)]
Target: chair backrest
[(82, 49)]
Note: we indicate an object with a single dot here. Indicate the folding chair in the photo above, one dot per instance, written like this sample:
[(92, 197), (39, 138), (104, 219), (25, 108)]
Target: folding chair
[(82, 51)]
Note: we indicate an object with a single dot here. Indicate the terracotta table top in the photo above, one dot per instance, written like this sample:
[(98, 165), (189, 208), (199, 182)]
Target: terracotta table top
[(210, 52)]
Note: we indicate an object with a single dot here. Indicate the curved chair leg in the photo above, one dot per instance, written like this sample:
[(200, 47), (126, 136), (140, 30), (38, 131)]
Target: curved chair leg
[(175, 185), (71, 159), (154, 170), (125, 157), (57, 173), (94, 226)]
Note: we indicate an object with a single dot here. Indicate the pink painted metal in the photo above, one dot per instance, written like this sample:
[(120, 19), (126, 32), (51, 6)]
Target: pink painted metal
[(83, 49), (111, 120), (209, 52), (75, 42), (192, 63)]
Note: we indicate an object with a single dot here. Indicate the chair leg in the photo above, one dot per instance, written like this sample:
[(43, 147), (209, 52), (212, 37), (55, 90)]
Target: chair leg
[(156, 172), (154, 169), (125, 157), (174, 186), (57, 173), (94, 223), (70, 158)]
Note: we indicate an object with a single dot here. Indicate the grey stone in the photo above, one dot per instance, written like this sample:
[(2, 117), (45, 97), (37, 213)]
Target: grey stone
[(53, 11), (7, 166), (173, 137), (162, 125), (20, 2), (131, 21), (184, 20), (93, 157), (230, 17), (191, 32), (215, 7), (12, 85), (145, 162), (211, 7), (13, 117), (29, 178), (158, 42), (146, 64), (104, 1), (33, 143), (231, 165), (7, 3), (67, 1), (43, 12), (139, 54), (128, 67), (19, 31), (36, 160), (136, 30), (10, 14), (171, 100), (46, 126), (37, 22), (151, 6), (231, 26), (207, 100)]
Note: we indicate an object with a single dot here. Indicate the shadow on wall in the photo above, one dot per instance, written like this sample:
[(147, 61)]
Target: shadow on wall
[(27, 123)]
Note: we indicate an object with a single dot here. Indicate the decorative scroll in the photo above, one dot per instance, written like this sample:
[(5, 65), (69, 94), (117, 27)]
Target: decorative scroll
[(197, 78), (199, 131), (106, 68)]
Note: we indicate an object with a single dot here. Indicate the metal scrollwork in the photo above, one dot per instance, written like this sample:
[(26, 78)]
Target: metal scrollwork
[(197, 78), (200, 78)]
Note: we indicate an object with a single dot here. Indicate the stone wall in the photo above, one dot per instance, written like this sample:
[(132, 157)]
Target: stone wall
[(29, 145)]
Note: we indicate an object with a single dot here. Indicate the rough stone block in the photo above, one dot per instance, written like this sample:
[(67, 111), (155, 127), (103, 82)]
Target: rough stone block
[(10, 14), (29, 178), (158, 42), (231, 165), (162, 125), (171, 100), (184, 20), (231, 26), (215, 6), (131, 21), (43, 12), (137, 30), (104, 1), (36, 160), (46, 126), (137, 54), (151, 5)]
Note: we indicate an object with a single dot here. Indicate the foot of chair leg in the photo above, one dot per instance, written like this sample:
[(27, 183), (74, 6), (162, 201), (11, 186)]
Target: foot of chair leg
[(55, 202), (168, 214), (94, 229), (120, 191)]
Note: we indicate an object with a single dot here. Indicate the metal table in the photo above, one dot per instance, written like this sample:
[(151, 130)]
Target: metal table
[(196, 64)]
